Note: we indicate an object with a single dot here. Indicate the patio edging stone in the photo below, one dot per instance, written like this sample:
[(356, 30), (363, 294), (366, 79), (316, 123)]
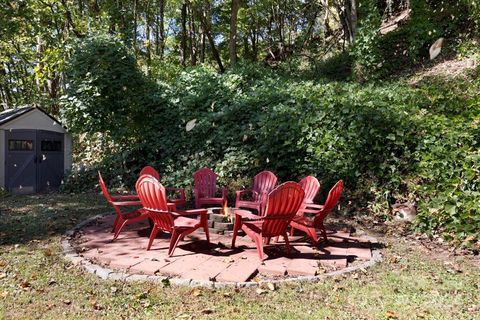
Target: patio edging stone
[(76, 259)]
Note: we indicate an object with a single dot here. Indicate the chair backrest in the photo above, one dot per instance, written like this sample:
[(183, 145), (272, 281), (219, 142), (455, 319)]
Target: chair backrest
[(282, 205), (152, 196), (333, 197), (151, 171), (263, 183), (311, 186), (205, 182), (104, 188)]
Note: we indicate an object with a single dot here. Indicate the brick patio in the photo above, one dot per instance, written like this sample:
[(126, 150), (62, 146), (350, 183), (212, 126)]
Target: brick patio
[(194, 259)]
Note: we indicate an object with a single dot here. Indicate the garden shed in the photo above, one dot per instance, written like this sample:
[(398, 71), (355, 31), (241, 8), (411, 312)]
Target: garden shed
[(35, 150)]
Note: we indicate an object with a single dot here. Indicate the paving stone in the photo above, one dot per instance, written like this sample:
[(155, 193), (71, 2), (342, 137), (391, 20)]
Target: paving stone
[(302, 267), (180, 266), (195, 264), (360, 253), (274, 267), (333, 262), (124, 263), (239, 271), (207, 270), (74, 258), (118, 276), (103, 272), (148, 267), (334, 251), (137, 277)]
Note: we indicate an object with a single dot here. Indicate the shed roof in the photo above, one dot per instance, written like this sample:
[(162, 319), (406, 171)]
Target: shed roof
[(10, 114)]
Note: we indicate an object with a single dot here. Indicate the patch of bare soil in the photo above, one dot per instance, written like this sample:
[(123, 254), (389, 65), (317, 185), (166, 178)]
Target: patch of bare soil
[(434, 246), (450, 68)]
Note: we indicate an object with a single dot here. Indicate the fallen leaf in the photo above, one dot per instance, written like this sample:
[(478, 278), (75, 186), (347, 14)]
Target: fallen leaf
[(390, 315), (271, 286), (47, 252), (3, 275), (3, 263), (393, 259), (469, 239), (67, 302), (4, 294), (207, 311), (25, 284), (113, 289), (261, 291), (196, 292), (51, 282)]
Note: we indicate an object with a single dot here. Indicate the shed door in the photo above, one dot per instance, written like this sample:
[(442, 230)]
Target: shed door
[(50, 146), (34, 160), (20, 162)]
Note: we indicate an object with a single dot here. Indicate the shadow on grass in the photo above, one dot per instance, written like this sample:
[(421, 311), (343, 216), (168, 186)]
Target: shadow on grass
[(39, 217)]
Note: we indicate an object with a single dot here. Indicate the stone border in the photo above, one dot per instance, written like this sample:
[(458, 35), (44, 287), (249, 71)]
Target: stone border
[(105, 273)]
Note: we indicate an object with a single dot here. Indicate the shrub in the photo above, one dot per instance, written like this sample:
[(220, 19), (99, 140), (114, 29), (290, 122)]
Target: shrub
[(389, 141)]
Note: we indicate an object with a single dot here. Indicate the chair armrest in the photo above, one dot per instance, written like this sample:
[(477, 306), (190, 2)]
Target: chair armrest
[(314, 206), (250, 216), (309, 211), (240, 192), (192, 212), (126, 203)]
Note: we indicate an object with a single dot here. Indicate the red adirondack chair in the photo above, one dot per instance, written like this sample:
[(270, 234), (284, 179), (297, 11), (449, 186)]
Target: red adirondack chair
[(154, 201), (263, 183), (182, 200), (205, 189), (311, 186), (151, 171), (309, 225), (117, 202), (282, 205)]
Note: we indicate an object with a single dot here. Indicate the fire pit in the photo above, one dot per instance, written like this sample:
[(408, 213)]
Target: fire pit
[(220, 220)]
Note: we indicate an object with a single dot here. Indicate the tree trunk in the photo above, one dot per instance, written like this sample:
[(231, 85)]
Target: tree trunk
[(233, 32), (202, 45), (7, 96), (68, 18), (160, 34), (193, 35), (39, 63), (148, 45), (135, 9), (353, 19), (184, 34), (211, 41)]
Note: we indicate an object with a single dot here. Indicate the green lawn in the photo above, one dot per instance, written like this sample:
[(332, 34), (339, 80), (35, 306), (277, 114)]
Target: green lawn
[(36, 282)]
